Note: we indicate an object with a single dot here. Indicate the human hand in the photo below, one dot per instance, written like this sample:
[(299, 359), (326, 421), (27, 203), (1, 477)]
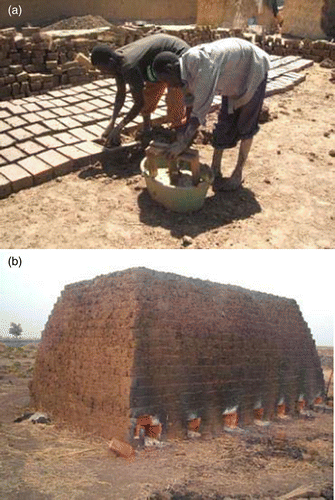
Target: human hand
[(113, 138), (175, 149)]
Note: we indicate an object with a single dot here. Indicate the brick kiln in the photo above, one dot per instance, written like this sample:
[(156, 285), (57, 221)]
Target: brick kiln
[(140, 343)]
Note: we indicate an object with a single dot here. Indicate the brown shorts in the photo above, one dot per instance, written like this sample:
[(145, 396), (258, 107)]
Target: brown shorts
[(176, 110), (241, 124)]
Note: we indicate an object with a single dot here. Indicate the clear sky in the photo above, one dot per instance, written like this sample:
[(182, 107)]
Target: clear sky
[(28, 293)]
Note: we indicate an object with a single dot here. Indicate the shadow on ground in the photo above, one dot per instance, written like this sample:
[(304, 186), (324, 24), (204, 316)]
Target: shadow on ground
[(218, 211), (118, 164)]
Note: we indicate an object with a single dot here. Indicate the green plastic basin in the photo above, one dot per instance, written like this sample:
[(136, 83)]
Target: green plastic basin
[(175, 198)]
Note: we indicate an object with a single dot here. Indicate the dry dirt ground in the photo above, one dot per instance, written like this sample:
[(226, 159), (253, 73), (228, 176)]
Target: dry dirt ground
[(287, 200), (48, 462)]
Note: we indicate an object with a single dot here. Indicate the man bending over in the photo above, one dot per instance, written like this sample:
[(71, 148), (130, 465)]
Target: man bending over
[(237, 70), (132, 65)]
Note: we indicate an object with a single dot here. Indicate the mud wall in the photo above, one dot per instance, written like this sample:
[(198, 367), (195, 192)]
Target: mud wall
[(232, 13), (141, 342), (37, 12), (303, 18)]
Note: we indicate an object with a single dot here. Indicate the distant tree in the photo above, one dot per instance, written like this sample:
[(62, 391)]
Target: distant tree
[(15, 329)]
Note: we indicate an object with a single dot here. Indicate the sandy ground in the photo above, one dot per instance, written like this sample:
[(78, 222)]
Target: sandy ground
[(49, 462), (287, 200)]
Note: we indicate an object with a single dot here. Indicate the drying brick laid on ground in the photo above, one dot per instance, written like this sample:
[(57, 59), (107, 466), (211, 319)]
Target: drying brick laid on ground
[(140, 342)]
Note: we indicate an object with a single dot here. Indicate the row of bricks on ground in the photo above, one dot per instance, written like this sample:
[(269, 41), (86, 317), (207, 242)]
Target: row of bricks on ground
[(36, 161), (88, 99), (17, 129), (71, 101), (36, 169)]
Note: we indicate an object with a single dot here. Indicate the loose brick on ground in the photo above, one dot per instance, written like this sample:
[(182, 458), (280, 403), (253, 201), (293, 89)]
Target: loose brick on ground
[(32, 117), (18, 176), (70, 91), (6, 140), (55, 125), (12, 154), (96, 130), (49, 141), (66, 138), (20, 134), (69, 122), (4, 126), (109, 99), (4, 114), (96, 115), (90, 86), (15, 121), (75, 110), (47, 115), (102, 82), (31, 147), (86, 106), (37, 129), (32, 107), (14, 109), (62, 111), (83, 97), (73, 153), (98, 103), (104, 91), (106, 112), (59, 103), (85, 119), (46, 104), (93, 150), (82, 134), (70, 99), (56, 93), (5, 187), (96, 94), (42, 97), (41, 171), (60, 163)]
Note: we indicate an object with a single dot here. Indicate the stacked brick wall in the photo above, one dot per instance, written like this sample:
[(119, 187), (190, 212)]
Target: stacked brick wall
[(142, 342), (32, 62), (83, 368), (317, 50), (222, 346)]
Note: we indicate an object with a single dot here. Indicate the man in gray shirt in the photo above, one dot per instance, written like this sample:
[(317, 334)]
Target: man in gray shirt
[(237, 70)]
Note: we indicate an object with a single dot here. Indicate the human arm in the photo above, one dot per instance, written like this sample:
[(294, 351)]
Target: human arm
[(184, 139), (136, 88), (119, 101)]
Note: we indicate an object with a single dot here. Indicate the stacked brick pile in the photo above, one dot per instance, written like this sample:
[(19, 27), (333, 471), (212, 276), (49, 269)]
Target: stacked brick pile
[(141, 342), (32, 62), (317, 50)]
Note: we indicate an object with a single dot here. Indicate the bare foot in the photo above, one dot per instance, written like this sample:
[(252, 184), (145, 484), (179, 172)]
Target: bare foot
[(226, 184)]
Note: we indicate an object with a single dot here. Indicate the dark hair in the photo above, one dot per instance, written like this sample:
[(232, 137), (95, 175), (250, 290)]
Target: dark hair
[(162, 60), (105, 56)]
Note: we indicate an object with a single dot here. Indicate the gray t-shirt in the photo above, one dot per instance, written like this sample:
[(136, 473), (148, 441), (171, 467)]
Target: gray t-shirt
[(231, 67)]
